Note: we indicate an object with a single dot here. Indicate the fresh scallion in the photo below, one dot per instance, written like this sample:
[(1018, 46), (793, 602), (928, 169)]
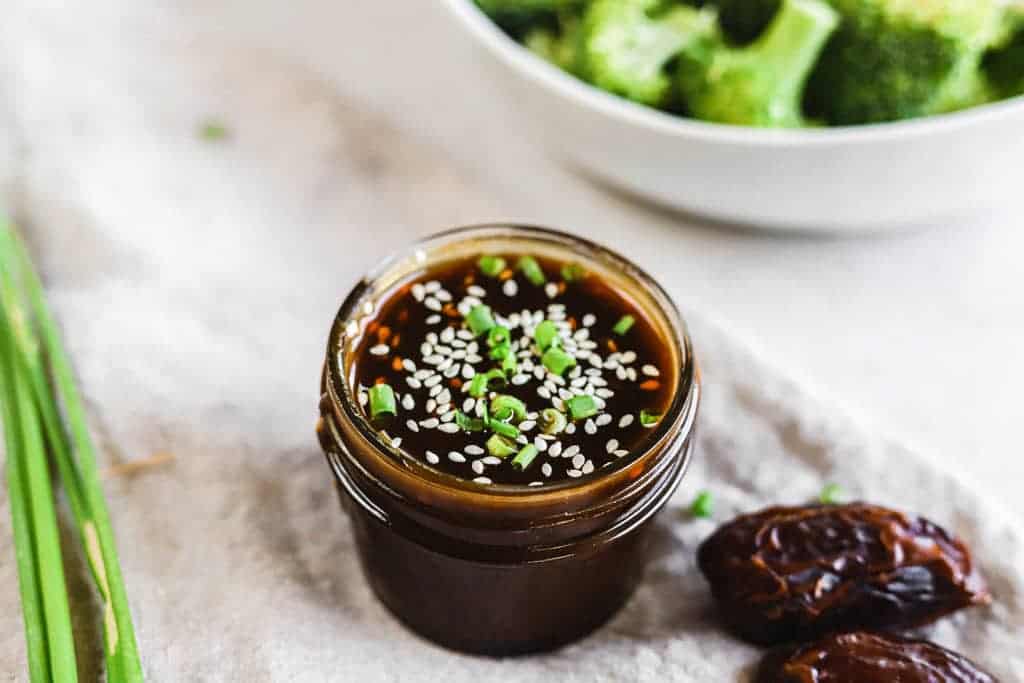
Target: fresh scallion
[(649, 419), (581, 407), (382, 401), (478, 385), (557, 361), (532, 270), (500, 352), (504, 401), (509, 365), (499, 335), (467, 423), (552, 421), (500, 447), (479, 319), (832, 494), (573, 272), (525, 457), (703, 505), (503, 428), (491, 266), (546, 334), (624, 324)]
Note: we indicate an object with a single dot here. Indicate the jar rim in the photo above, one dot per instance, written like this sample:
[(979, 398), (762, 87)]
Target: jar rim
[(680, 414)]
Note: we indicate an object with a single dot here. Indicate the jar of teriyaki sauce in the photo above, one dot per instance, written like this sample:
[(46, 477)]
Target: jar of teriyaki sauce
[(505, 410)]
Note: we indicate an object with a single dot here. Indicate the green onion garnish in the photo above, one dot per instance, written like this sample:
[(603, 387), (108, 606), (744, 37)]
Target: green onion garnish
[(500, 447), (382, 401), (702, 505), (525, 457), (501, 415), (509, 365), (491, 266), (552, 421), (571, 272), (480, 319), (532, 270), (503, 401), (495, 378), (625, 323), (499, 335), (582, 407), (557, 361), (500, 352), (649, 419), (832, 494), (213, 131), (467, 423), (478, 385), (503, 428), (545, 335)]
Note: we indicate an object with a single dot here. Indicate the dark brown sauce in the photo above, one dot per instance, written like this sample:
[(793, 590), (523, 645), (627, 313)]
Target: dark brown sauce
[(418, 312)]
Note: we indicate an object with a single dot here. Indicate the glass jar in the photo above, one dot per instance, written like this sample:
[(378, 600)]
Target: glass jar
[(501, 569)]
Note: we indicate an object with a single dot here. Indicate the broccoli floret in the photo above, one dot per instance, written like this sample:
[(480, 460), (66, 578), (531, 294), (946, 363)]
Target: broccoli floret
[(560, 47), (760, 84), (898, 59), (1004, 64), (626, 45), (520, 17)]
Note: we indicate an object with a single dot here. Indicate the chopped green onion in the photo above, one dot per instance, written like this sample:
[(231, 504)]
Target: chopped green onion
[(571, 272), (702, 505), (557, 361), (532, 270), (503, 428), (545, 335), (832, 494), (525, 457), (495, 378), (509, 365), (500, 352), (582, 407), (625, 323), (480, 319), (382, 401), (512, 403), (501, 415), (491, 266), (649, 419), (467, 423), (213, 131), (500, 447), (499, 335), (552, 421), (478, 385)]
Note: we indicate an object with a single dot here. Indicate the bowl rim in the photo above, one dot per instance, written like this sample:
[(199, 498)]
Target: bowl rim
[(549, 76)]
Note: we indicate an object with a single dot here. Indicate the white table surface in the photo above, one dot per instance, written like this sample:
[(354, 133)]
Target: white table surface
[(918, 334)]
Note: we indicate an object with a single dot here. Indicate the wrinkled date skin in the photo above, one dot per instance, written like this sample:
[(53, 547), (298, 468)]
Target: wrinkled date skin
[(795, 573), (869, 657)]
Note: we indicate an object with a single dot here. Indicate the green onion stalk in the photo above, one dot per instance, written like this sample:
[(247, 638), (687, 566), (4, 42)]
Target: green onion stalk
[(38, 389)]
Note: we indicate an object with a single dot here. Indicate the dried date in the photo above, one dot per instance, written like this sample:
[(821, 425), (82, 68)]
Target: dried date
[(796, 573), (869, 657)]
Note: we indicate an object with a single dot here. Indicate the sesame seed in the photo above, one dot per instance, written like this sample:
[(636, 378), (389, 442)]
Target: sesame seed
[(447, 335), (448, 416), (603, 419), (581, 334), (527, 425), (433, 359), (482, 480), (435, 390), (468, 372), (418, 291), (468, 405), (408, 402), (536, 483), (574, 473), (491, 460), (452, 371), (540, 444), (588, 467), (555, 450), (551, 289), (621, 452), (571, 451), (430, 423), (510, 288), (432, 458), (604, 393), (444, 397), (589, 319), (589, 427), (626, 420), (431, 337), (432, 286), (473, 449), (432, 303), (455, 456), (627, 357), (545, 469), (432, 381), (544, 392), (380, 350), (565, 394), (413, 427), (433, 320), (443, 295), (473, 358), (449, 428), (612, 445), (520, 380), (363, 398), (464, 335), (631, 374), (478, 467), (431, 405), (578, 460), (396, 442), (570, 429), (476, 291), (650, 371), (558, 403)]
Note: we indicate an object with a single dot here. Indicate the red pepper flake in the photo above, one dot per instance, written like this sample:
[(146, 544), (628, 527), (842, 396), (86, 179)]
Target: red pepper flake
[(612, 346), (383, 332), (650, 385), (396, 364)]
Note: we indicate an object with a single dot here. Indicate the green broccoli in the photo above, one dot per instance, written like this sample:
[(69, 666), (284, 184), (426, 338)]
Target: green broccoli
[(520, 17), (743, 21), (1004, 65), (760, 84), (626, 45), (898, 59)]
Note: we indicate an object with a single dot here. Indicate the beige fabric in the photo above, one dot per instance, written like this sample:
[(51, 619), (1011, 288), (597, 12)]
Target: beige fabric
[(196, 282)]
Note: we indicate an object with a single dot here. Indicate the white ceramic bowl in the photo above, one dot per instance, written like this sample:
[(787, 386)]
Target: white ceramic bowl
[(863, 178)]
